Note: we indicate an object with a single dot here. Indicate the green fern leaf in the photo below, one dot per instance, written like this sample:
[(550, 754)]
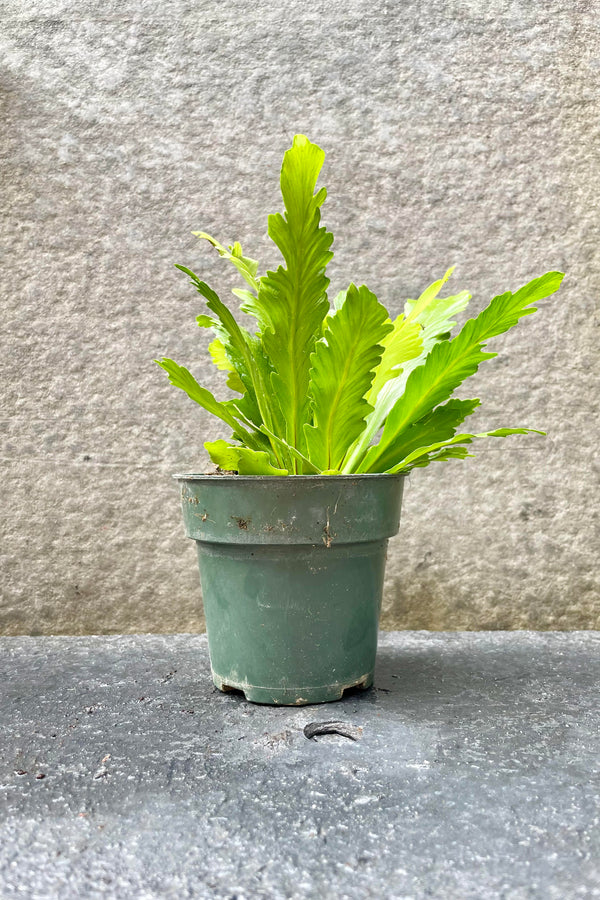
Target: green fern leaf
[(439, 425), (305, 467), (246, 267), (402, 344), (342, 371), (224, 455), (444, 450), (450, 362), (247, 357), (293, 299), (418, 307), (218, 354), (241, 459), (257, 462), (432, 316), (182, 378), (443, 455)]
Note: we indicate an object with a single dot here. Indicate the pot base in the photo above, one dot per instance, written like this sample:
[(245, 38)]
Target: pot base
[(326, 693)]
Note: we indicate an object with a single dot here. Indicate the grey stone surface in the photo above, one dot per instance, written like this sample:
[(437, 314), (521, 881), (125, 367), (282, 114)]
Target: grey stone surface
[(456, 132), (476, 774)]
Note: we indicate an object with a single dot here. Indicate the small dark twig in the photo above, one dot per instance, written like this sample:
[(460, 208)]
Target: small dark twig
[(353, 732)]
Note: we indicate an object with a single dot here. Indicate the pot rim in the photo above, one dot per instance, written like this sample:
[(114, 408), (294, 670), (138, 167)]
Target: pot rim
[(217, 477)]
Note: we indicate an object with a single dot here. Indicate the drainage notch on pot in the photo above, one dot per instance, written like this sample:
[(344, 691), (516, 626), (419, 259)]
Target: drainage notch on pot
[(292, 577)]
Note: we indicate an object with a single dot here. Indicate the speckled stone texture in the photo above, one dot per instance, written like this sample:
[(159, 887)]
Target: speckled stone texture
[(124, 774), (456, 132)]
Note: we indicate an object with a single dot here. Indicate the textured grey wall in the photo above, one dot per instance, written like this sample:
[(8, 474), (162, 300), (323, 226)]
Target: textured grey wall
[(456, 132)]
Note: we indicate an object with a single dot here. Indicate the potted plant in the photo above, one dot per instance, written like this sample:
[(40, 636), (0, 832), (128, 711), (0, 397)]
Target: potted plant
[(331, 407)]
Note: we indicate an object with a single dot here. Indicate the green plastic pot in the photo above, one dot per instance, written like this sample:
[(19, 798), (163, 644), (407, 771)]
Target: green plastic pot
[(292, 575)]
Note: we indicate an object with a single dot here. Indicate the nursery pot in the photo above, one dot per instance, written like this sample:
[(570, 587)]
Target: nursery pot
[(292, 576)]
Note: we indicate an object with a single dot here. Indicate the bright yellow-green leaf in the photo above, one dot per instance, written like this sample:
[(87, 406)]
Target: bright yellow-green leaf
[(219, 356), (428, 295), (232, 458), (402, 344), (224, 455), (257, 462), (246, 267)]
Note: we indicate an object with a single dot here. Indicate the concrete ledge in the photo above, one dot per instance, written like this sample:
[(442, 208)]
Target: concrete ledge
[(124, 773)]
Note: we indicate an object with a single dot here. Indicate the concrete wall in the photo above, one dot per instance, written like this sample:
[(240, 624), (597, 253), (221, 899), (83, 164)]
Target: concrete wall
[(456, 132)]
